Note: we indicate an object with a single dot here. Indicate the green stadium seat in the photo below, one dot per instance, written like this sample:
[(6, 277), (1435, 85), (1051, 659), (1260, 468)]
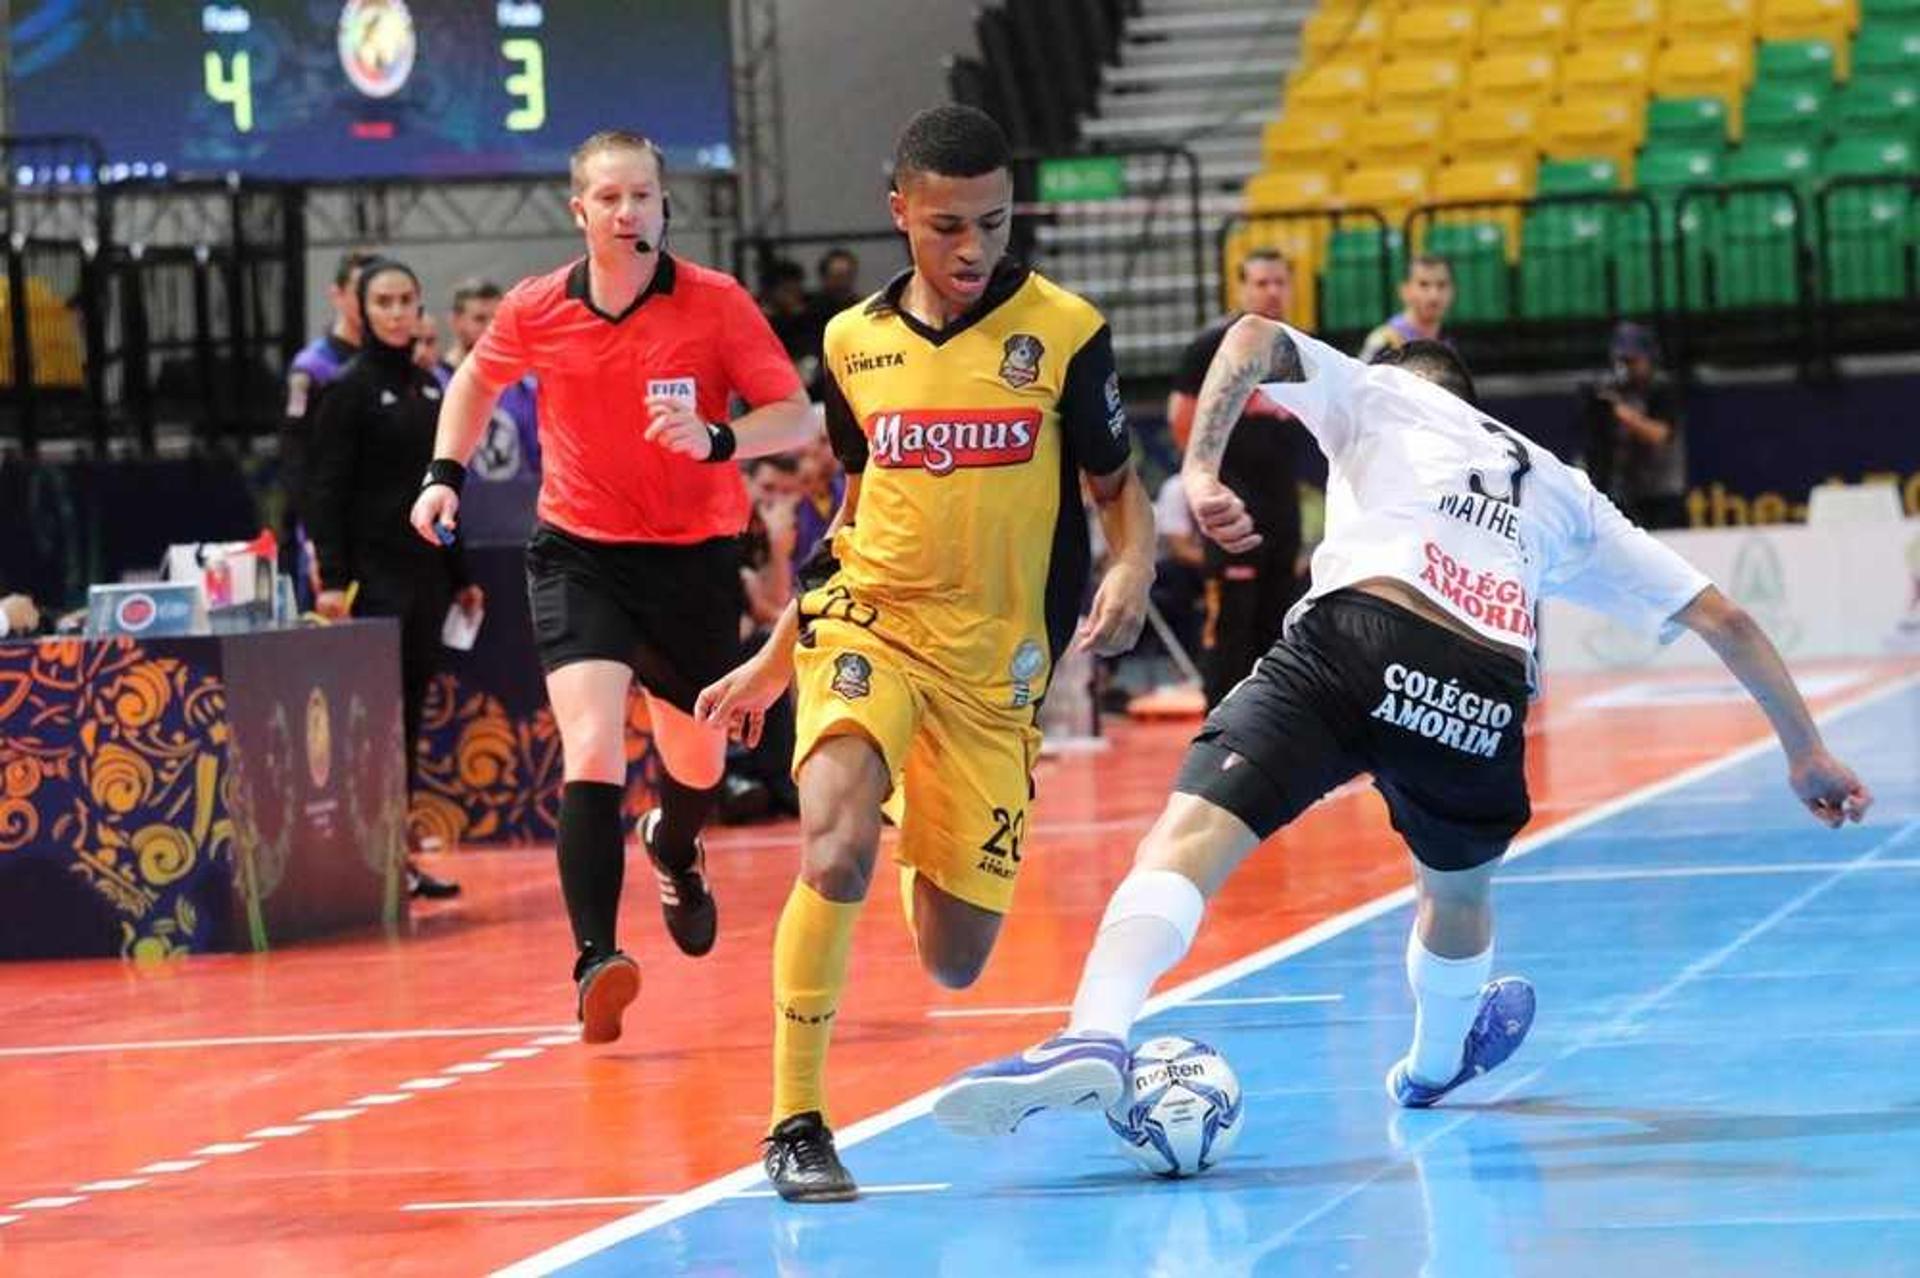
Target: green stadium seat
[(1867, 228), (1756, 247), (1477, 251), (1907, 11), (1662, 172), (1351, 296), (1875, 105), (1578, 177), (1786, 113), (1888, 49), (1808, 62), (1563, 265), (1687, 122), (1667, 168)]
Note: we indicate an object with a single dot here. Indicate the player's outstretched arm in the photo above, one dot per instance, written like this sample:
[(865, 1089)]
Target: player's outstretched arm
[(464, 411), (1827, 786), (1112, 625), (1255, 350)]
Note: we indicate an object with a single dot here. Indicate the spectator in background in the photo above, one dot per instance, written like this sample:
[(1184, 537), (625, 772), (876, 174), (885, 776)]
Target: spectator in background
[(371, 443), (822, 484), (1636, 444), (18, 616), (1426, 294), (839, 274), (314, 368), (1248, 593), (504, 472), (799, 326), (759, 778), (426, 345)]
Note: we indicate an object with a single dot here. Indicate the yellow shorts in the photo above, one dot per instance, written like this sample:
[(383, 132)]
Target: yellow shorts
[(962, 771)]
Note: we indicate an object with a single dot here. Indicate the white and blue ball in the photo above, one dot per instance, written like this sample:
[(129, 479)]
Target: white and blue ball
[(1181, 1113)]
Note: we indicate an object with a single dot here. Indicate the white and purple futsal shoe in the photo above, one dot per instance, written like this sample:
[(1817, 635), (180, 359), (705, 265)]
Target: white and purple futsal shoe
[(1505, 1016), (1068, 1071)]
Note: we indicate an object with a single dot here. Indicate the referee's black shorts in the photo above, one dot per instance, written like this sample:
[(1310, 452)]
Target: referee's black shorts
[(1364, 686), (671, 613)]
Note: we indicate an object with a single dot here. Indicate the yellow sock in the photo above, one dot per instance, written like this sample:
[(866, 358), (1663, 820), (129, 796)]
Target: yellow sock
[(809, 970), (907, 876)]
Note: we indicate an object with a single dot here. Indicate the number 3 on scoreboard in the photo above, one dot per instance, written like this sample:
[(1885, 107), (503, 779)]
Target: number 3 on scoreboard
[(528, 84), (230, 83)]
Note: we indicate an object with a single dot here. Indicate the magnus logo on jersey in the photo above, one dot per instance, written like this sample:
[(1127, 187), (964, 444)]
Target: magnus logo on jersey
[(941, 441)]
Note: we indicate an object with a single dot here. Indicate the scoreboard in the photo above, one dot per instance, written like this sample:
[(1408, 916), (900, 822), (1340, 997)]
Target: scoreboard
[(340, 89)]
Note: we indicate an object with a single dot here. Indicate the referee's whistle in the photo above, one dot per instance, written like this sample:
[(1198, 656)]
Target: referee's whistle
[(444, 532)]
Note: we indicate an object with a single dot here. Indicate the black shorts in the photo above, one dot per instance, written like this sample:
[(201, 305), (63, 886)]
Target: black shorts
[(672, 613), (1364, 686)]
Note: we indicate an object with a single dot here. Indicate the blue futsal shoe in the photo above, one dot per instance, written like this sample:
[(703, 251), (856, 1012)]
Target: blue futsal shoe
[(1506, 1014), (1068, 1071)]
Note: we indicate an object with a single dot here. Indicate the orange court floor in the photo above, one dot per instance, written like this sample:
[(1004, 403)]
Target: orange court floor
[(419, 1103)]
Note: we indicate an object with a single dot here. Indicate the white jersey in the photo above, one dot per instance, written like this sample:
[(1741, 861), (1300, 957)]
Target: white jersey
[(1427, 490)]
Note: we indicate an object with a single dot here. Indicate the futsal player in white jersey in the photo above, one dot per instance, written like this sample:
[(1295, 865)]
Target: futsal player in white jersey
[(1410, 657)]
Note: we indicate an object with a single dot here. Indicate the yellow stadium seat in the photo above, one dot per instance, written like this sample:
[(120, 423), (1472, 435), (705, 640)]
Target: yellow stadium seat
[(1290, 189), (1417, 83), (1691, 21), (1306, 140), (1829, 20), (53, 337), (1610, 70), (1706, 69), (1501, 179), (1358, 35), (1331, 88), (1393, 189), (1594, 129), (1634, 22), (1513, 79), (1434, 31), (1526, 26), (1397, 138), (1492, 130)]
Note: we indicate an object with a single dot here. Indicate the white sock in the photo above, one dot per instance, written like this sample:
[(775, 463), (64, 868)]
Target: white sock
[(1446, 996), (1147, 928)]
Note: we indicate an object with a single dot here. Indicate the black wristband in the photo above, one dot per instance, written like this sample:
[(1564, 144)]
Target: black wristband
[(724, 442), (445, 470)]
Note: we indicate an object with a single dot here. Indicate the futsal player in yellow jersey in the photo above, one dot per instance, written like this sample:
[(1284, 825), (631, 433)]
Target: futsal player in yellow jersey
[(966, 400)]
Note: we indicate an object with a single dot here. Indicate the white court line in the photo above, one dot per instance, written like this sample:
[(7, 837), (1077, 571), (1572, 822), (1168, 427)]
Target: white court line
[(1261, 1000), (330, 1115), (556, 1040), (427, 1084), (273, 1133), (473, 1067), (382, 1098), (170, 1165), (624, 1200), (109, 1186), (514, 1054), (742, 1178), (49, 1203), (8, 1220), (268, 1040), (225, 1147), (1697, 871)]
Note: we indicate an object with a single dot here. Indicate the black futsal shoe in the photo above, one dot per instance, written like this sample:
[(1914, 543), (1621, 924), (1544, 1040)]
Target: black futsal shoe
[(802, 1164), (685, 900), (608, 982)]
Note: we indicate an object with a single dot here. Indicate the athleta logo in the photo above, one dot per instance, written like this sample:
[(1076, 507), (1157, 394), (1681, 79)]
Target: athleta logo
[(858, 363), (941, 441)]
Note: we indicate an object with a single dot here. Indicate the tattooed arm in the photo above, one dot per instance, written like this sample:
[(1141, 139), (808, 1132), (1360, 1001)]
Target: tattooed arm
[(1255, 350)]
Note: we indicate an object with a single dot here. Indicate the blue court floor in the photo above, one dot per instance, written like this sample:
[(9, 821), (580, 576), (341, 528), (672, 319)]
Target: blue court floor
[(1722, 1080)]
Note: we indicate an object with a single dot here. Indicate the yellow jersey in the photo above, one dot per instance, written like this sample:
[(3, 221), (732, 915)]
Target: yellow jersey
[(969, 549)]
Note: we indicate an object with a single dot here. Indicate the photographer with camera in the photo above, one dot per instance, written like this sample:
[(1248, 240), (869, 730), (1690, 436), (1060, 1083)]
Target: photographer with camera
[(1636, 445)]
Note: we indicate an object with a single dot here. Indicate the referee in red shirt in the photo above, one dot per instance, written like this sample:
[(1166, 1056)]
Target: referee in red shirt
[(634, 568)]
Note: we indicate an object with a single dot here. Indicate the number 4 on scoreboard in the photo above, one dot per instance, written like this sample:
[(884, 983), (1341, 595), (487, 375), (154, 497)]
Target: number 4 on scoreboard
[(230, 83)]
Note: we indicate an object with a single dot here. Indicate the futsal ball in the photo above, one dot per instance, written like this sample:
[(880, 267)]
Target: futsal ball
[(1181, 1113)]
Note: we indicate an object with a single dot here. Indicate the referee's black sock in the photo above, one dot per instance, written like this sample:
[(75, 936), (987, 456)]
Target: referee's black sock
[(593, 860), (683, 813)]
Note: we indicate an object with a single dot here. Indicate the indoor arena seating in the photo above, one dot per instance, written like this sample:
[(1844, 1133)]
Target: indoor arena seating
[(1581, 161)]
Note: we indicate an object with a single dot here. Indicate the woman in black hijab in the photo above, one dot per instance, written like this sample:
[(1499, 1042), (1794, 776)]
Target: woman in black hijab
[(372, 439)]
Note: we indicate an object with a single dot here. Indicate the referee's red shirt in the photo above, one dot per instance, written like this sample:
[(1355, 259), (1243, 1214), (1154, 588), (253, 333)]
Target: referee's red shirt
[(692, 331)]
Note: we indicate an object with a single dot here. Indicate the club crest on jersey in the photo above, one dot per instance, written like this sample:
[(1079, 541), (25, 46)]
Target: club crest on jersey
[(852, 676), (1020, 366), (941, 441)]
